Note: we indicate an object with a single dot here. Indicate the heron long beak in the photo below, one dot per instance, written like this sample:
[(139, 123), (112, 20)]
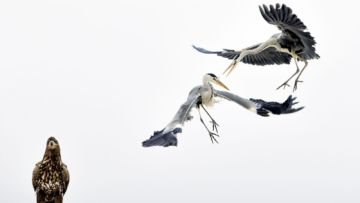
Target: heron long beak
[(218, 82)]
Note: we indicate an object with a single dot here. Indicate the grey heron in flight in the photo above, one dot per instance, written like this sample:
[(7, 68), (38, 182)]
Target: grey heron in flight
[(206, 95), (293, 42)]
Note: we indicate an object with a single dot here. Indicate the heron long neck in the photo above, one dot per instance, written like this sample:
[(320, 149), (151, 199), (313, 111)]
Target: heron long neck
[(206, 82), (208, 91)]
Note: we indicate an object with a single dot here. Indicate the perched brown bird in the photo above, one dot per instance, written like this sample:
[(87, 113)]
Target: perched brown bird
[(50, 176)]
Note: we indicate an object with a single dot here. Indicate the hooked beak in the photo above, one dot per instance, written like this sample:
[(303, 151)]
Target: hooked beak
[(218, 82)]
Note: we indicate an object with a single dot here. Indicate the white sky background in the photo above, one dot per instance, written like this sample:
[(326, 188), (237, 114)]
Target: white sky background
[(101, 76)]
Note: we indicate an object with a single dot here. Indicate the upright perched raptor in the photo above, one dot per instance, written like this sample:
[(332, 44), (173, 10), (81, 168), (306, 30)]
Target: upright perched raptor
[(50, 177)]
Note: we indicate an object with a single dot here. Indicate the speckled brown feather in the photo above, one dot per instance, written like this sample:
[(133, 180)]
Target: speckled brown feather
[(50, 176)]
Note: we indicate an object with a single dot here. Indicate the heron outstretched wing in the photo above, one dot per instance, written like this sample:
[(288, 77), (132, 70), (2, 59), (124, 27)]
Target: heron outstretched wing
[(261, 107), (183, 114), (268, 56), (292, 28), (167, 136)]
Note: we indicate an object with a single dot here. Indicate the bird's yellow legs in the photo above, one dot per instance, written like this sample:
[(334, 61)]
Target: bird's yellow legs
[(230, 68), (285, 84), (297, 78)]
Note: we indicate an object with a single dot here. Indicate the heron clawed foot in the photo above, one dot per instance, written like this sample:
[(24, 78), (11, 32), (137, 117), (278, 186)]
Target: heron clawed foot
[(214, 125), (295, 84), (211, 134), (212, 137), (214, 128), (284, 85)]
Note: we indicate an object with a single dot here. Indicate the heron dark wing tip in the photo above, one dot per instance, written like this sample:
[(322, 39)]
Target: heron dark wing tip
[(161, 139), (204, 51), (297, 109), (262, 112), (273, 12), (300, 108)]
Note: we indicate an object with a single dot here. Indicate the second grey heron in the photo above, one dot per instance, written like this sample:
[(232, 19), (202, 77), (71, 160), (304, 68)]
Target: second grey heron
[(205, 95), (293, 42)]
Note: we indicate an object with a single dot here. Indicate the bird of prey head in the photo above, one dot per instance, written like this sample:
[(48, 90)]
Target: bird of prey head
[(52, 149)]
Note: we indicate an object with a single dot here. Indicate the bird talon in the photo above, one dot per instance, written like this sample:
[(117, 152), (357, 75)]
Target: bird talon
[(217, 135), (215, 129), (212, 138), (295, 85), (284, 85), (214, 125), (214, 122)]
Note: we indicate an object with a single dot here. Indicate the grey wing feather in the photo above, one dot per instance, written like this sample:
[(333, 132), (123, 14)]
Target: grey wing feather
[(246, 103), (183, 114), (291, 26), (261, 107), (268, 56), (167, 136)]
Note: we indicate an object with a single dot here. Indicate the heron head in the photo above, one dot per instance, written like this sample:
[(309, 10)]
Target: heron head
[(210, 77)]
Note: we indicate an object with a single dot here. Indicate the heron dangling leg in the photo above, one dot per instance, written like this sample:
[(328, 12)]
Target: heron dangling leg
[(230, 68), (211, 134), (285, 84), (297, 78), (214, 123)]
